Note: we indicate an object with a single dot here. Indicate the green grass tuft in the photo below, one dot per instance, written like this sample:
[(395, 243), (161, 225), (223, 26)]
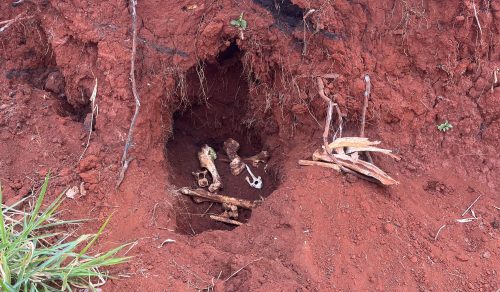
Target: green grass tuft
[(36, 257), (444, 126)]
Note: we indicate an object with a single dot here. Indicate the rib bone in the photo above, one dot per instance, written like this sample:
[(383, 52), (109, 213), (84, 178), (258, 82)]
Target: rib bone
[(207, 156)]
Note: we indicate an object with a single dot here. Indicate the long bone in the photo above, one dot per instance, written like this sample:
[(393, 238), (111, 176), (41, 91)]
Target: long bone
[(231, 147), (207, 156), (261, 157)]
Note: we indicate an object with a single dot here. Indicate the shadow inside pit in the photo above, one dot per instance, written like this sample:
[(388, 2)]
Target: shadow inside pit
[(213, 119), (285, 13)]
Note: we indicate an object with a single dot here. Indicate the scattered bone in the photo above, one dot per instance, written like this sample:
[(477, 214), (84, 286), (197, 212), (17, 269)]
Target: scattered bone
[(256, 182), (231, 147), (204, 196), (165, 242), (201, 178), (225, 220), (261, 157), (237, 166), (230, 211), (207, 156)]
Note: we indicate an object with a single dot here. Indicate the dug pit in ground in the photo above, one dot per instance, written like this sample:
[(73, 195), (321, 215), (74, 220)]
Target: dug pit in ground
[(216, 114)]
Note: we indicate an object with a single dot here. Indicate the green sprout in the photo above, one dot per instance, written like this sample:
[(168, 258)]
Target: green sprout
[(444, 126), (211, 153), (240, 22)]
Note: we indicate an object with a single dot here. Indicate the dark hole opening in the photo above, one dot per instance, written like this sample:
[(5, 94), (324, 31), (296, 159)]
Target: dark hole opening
[(210, 120)]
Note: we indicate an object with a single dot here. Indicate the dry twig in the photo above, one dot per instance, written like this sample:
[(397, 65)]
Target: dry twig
[(309, 12), (225, 220), (95, 110), (125, 161), (321, 91), (319, 163), (326, 132), (203, 195), (368, 89), (467, 210), (239, 270), (365, 105), (437, 234)]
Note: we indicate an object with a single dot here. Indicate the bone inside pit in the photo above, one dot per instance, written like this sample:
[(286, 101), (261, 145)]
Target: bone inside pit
[(216, 125)]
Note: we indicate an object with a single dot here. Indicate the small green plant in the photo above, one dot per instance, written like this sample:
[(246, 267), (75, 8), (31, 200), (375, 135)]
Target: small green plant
[(212, 153), (240, 23), (34, 256), (444, 126)]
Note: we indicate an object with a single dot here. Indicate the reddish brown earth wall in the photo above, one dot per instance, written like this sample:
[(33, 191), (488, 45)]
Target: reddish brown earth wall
[(320, 231)]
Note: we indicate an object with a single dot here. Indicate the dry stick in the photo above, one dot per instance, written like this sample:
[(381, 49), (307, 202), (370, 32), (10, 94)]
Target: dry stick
[(321, 91), (309, 12), (437, 234), (125, 161), (368, 88), (365, 105), (465, 212), (319, 163), (218, 198), (225, 220), (206, 211), (239, 270), (94, 109), (331, 104)]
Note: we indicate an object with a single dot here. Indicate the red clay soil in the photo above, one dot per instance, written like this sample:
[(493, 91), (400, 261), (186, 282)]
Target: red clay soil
[(317, 230)]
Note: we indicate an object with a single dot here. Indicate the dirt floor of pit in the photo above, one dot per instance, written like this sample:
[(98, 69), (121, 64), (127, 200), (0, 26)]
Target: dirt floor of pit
[(319, 230)]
